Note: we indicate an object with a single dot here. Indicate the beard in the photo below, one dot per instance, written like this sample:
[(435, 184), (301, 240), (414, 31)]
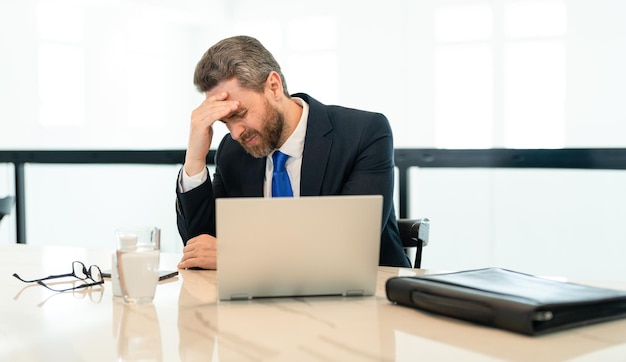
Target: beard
[(269, 136)]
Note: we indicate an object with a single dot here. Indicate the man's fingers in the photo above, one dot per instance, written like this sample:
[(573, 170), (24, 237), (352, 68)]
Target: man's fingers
[(216, 97), (207, 262), (186, 263), (216, 107), (200, 252)]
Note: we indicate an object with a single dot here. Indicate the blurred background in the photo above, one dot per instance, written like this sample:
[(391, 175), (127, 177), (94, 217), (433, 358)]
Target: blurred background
[(107, 74)]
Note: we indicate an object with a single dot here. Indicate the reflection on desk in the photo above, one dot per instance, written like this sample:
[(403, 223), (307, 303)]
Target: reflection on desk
[(137, 331), (187, 323)]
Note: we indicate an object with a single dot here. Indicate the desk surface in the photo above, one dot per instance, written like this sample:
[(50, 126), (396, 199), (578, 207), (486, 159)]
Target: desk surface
[(186, 323)]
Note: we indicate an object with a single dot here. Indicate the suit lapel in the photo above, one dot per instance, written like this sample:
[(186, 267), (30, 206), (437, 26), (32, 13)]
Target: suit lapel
[(316, 148), (252, 176)]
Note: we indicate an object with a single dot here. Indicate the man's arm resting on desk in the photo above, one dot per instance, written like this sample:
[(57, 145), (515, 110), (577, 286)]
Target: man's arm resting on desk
[(194, 205)]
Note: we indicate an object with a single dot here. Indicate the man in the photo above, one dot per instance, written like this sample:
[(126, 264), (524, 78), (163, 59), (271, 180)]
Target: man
[(332, 150)]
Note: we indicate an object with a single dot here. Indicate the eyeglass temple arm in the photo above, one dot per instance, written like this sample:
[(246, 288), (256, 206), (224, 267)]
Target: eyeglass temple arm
[(73, 288), (46, 278)]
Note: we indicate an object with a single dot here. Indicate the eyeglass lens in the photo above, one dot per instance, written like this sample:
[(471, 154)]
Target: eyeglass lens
[(81, 272)]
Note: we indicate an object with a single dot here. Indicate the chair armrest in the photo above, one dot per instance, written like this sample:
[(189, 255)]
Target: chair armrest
[(414, 232), (6, 204)]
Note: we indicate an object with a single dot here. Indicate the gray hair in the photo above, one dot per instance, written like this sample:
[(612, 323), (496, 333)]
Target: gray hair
[(241, 57)]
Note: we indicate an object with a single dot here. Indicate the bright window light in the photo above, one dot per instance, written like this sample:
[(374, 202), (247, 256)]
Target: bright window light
[(61, 85), (144, 35), (316, 73), (463, 23), (534, 103), (463, 96), (59, 21), (312, 33), (535, 18), (146, 93)]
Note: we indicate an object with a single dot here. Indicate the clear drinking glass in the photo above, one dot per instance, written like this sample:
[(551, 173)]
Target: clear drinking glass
[(137, 262)]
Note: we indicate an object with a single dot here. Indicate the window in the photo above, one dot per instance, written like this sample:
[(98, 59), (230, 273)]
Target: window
[(500, 74), (60, 64)]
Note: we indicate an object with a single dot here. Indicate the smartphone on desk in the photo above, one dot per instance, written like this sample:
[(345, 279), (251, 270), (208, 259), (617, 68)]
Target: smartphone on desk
[(163, 274)]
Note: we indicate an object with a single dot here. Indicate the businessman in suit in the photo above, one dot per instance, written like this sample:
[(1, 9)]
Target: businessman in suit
[(331, 150)]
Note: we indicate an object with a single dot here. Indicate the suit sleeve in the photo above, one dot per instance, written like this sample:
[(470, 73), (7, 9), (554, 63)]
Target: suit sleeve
[(373, 170), (195, 209)]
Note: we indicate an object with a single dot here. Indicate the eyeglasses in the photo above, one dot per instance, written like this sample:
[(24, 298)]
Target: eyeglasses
[(79, 271)]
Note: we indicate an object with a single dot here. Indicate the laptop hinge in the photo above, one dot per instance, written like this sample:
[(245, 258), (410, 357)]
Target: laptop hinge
[(241, 296), (354, 293)]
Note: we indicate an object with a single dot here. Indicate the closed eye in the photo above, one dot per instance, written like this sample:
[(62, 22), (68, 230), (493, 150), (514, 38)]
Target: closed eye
[(239, 113)]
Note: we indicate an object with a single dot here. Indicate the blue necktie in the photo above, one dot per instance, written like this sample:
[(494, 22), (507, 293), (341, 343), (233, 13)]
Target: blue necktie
[(281, 186)]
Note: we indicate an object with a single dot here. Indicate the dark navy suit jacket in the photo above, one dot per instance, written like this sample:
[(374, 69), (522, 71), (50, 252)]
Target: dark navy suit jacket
[(346, 152)]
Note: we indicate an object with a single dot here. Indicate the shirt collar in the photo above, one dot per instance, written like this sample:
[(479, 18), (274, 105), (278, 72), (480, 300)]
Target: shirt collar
[(294, 146)]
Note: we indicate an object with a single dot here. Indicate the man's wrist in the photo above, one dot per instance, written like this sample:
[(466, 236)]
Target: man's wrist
[(187, 182), (193, 168)]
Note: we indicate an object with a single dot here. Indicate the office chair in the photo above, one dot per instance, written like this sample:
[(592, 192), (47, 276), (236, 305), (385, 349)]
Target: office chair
[(414, 233), (6, 204)]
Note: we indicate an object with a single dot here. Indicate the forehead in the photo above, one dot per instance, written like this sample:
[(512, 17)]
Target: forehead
[(235, 92)]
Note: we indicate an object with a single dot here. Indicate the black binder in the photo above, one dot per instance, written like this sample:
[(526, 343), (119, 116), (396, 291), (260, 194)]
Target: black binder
[(508, 300)]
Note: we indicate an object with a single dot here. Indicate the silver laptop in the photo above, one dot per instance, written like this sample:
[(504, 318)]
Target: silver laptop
[(306, 246)]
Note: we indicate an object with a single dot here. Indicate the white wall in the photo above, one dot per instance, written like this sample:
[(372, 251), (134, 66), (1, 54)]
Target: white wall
[(447, 73)]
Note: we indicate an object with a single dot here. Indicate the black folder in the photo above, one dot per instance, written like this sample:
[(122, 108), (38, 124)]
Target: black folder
[(508, 300)]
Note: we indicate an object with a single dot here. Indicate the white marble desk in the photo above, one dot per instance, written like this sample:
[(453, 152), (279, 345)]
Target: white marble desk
[(186, 323)]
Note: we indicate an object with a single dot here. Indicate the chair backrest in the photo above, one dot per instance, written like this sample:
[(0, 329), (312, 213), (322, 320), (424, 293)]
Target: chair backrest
[(6, 204)]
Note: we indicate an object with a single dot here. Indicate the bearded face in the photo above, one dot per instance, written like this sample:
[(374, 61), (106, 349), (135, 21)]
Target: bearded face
[(269, 135)]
